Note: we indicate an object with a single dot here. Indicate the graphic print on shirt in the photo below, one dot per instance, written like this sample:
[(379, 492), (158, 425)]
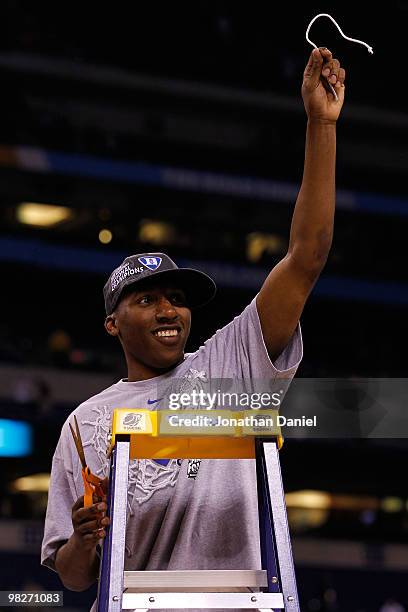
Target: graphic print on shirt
[(192, 468), (101, 428), (194, 380), (145, 475)]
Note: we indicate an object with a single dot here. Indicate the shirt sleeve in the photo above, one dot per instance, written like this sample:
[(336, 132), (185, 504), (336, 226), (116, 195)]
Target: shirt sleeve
[(62, 495), (238, 350)]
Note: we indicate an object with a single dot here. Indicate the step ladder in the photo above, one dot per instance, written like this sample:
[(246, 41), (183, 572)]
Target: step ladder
[(272, 588)]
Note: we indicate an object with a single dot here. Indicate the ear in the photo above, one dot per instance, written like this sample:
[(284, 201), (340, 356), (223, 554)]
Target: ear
[(111, 325)]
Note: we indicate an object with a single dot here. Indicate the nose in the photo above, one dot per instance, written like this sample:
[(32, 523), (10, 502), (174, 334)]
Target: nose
[(165, 310)]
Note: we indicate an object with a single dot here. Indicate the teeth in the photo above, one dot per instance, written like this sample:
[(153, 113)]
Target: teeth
[(167, 333)]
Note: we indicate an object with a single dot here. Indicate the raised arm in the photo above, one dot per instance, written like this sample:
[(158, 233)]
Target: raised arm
[(286, 289)]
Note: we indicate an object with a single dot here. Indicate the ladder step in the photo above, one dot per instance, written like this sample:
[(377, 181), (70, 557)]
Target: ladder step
[(185, 601), (195, 578)]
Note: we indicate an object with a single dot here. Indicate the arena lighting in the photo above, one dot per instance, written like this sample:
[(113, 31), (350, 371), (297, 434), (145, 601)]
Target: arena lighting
[(105, 236), (259, 243), (156, 232), (321, 500), (15, 438), (42, 215), (34, 482), (358, 503), (303, 519), (308, 499), (392, 504)]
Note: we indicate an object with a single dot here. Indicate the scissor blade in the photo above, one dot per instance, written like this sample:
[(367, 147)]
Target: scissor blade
[(78, 443)]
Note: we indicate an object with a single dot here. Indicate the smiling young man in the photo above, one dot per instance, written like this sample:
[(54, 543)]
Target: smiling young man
[(179, 516)]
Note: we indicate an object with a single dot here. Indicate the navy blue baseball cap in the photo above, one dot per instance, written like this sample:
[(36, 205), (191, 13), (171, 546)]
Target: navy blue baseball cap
[(198, 286)]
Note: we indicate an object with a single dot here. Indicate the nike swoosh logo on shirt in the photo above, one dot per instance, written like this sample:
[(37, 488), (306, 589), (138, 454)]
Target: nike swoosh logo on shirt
[(149, 401), (162, 461)]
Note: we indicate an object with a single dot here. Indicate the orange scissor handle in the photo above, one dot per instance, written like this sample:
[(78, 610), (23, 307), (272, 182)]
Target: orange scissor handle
[(92, 485)]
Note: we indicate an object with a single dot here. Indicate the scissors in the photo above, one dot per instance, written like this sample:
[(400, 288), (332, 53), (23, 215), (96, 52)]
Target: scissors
[(92, 483)]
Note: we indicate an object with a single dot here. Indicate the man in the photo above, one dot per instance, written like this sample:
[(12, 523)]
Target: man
[(208, 521)]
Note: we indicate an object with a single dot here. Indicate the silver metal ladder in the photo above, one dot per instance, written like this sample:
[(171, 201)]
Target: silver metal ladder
[(272, 588)]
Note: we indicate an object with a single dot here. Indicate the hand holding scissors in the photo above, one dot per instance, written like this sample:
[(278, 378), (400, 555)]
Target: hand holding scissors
[(92, 483)]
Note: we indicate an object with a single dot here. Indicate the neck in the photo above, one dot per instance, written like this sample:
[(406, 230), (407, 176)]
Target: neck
[(139, 371)]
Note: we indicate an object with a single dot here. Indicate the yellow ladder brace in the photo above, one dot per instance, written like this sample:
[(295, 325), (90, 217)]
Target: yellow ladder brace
[(153, 437)]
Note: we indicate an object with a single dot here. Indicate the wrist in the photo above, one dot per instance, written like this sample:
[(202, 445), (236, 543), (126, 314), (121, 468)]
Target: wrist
[(321, 121)]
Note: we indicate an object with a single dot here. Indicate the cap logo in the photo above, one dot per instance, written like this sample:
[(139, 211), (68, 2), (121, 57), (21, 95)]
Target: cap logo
[(150, 262)]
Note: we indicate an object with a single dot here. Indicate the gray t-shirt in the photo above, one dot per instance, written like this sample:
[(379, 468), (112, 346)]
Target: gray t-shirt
[(175, 522)]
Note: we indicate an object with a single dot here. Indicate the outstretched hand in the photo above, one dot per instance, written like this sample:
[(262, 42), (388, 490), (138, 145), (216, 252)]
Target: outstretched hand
[(319, 101)]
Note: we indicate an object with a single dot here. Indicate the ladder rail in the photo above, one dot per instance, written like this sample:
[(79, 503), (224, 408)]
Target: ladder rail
[(113, 556), (280, 526)]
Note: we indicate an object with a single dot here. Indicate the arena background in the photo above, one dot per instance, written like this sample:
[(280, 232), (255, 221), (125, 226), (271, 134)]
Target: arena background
[(181, 128)]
